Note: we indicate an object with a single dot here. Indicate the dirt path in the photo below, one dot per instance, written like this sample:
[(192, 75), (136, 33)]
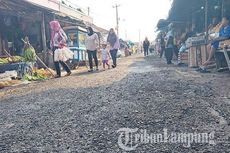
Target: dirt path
[(83, 113)]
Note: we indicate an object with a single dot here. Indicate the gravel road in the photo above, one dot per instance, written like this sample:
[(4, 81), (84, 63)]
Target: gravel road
[(83, 113)]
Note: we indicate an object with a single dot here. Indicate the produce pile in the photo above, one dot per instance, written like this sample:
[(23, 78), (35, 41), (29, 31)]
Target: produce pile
[(9, 83), (12, 59), (38, 75)]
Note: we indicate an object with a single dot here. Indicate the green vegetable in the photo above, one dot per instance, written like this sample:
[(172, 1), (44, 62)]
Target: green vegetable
[(29, 54), (34, 77)]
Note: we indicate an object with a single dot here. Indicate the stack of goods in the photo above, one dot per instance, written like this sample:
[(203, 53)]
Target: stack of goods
[(8, 79), (10, 63), (195, 41), (9, 83)]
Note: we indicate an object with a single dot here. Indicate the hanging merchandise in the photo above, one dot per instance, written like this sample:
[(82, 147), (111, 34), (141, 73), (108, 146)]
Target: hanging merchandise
[(29, 51)]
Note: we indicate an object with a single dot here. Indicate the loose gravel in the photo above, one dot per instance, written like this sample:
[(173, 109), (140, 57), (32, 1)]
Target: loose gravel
[(83, 113)]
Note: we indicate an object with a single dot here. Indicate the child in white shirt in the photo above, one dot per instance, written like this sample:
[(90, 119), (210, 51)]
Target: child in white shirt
[(105, 55)]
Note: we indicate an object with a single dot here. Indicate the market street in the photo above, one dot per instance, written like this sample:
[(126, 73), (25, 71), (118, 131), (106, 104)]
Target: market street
[(82, 113)]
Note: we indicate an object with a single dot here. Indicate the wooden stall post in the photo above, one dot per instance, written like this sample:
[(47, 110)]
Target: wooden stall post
[(222, 8), (206, 25), (1, 47), (43, 32)]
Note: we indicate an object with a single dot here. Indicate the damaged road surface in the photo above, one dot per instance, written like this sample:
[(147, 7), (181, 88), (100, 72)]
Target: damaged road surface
[(141, 106)]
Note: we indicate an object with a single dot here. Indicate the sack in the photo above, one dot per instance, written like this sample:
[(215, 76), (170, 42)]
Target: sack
[(63, 54)]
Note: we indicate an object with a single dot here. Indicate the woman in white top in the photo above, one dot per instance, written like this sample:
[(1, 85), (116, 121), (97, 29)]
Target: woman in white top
[(92, 44)]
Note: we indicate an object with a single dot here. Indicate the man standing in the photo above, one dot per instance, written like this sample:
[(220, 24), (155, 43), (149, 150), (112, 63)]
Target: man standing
[(146, 45)]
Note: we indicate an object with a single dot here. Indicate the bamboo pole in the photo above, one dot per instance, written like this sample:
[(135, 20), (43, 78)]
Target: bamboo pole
[(45, 66), (8, 54)]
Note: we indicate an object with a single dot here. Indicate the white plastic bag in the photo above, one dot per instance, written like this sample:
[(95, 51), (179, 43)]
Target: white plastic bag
[(63, 54)]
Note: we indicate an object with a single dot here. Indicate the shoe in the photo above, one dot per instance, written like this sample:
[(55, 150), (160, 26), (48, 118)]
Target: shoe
[(199, 69), (97, 69), (204, 70), (108, 67), (68, 74), (57, 76), (90, 70), (222, 69)]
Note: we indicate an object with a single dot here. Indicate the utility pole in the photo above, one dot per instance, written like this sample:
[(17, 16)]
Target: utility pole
[(206, 19), (117, 18), (88, 8), (139, 35)]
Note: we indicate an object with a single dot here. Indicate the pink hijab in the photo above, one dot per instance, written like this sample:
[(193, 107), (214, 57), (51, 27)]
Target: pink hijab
[(56, 28)]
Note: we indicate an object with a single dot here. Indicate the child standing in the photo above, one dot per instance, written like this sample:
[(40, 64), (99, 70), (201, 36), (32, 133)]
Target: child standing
[(105, 55)]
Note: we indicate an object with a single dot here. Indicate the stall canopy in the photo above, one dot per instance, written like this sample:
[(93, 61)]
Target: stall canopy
[(193, 11), (19, 9)]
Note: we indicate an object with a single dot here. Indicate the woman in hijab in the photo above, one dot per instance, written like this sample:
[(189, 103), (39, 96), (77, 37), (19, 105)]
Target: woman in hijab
[(113, 40), (58, 41), (92, 44)]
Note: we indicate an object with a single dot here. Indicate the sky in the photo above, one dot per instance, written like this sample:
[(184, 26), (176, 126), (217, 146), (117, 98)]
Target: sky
[(135, 15)]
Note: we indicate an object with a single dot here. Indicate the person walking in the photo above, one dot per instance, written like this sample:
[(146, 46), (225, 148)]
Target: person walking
[(58, 41), (113, 40), (105, 55), (92, 45), (146, 45)]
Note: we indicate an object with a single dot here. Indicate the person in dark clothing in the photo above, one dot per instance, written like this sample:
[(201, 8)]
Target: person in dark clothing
[(176, 51), (146, 45), (169, 49)]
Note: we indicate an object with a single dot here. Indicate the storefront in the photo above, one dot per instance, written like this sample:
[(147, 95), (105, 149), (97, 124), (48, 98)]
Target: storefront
[(17, 20)]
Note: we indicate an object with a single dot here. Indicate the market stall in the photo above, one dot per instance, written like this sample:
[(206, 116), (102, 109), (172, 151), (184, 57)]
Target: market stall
[(197, 15)]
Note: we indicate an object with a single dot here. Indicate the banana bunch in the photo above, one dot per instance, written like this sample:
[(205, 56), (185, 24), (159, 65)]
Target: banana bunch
[(16, 59), (4, 61), (13, 59)]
